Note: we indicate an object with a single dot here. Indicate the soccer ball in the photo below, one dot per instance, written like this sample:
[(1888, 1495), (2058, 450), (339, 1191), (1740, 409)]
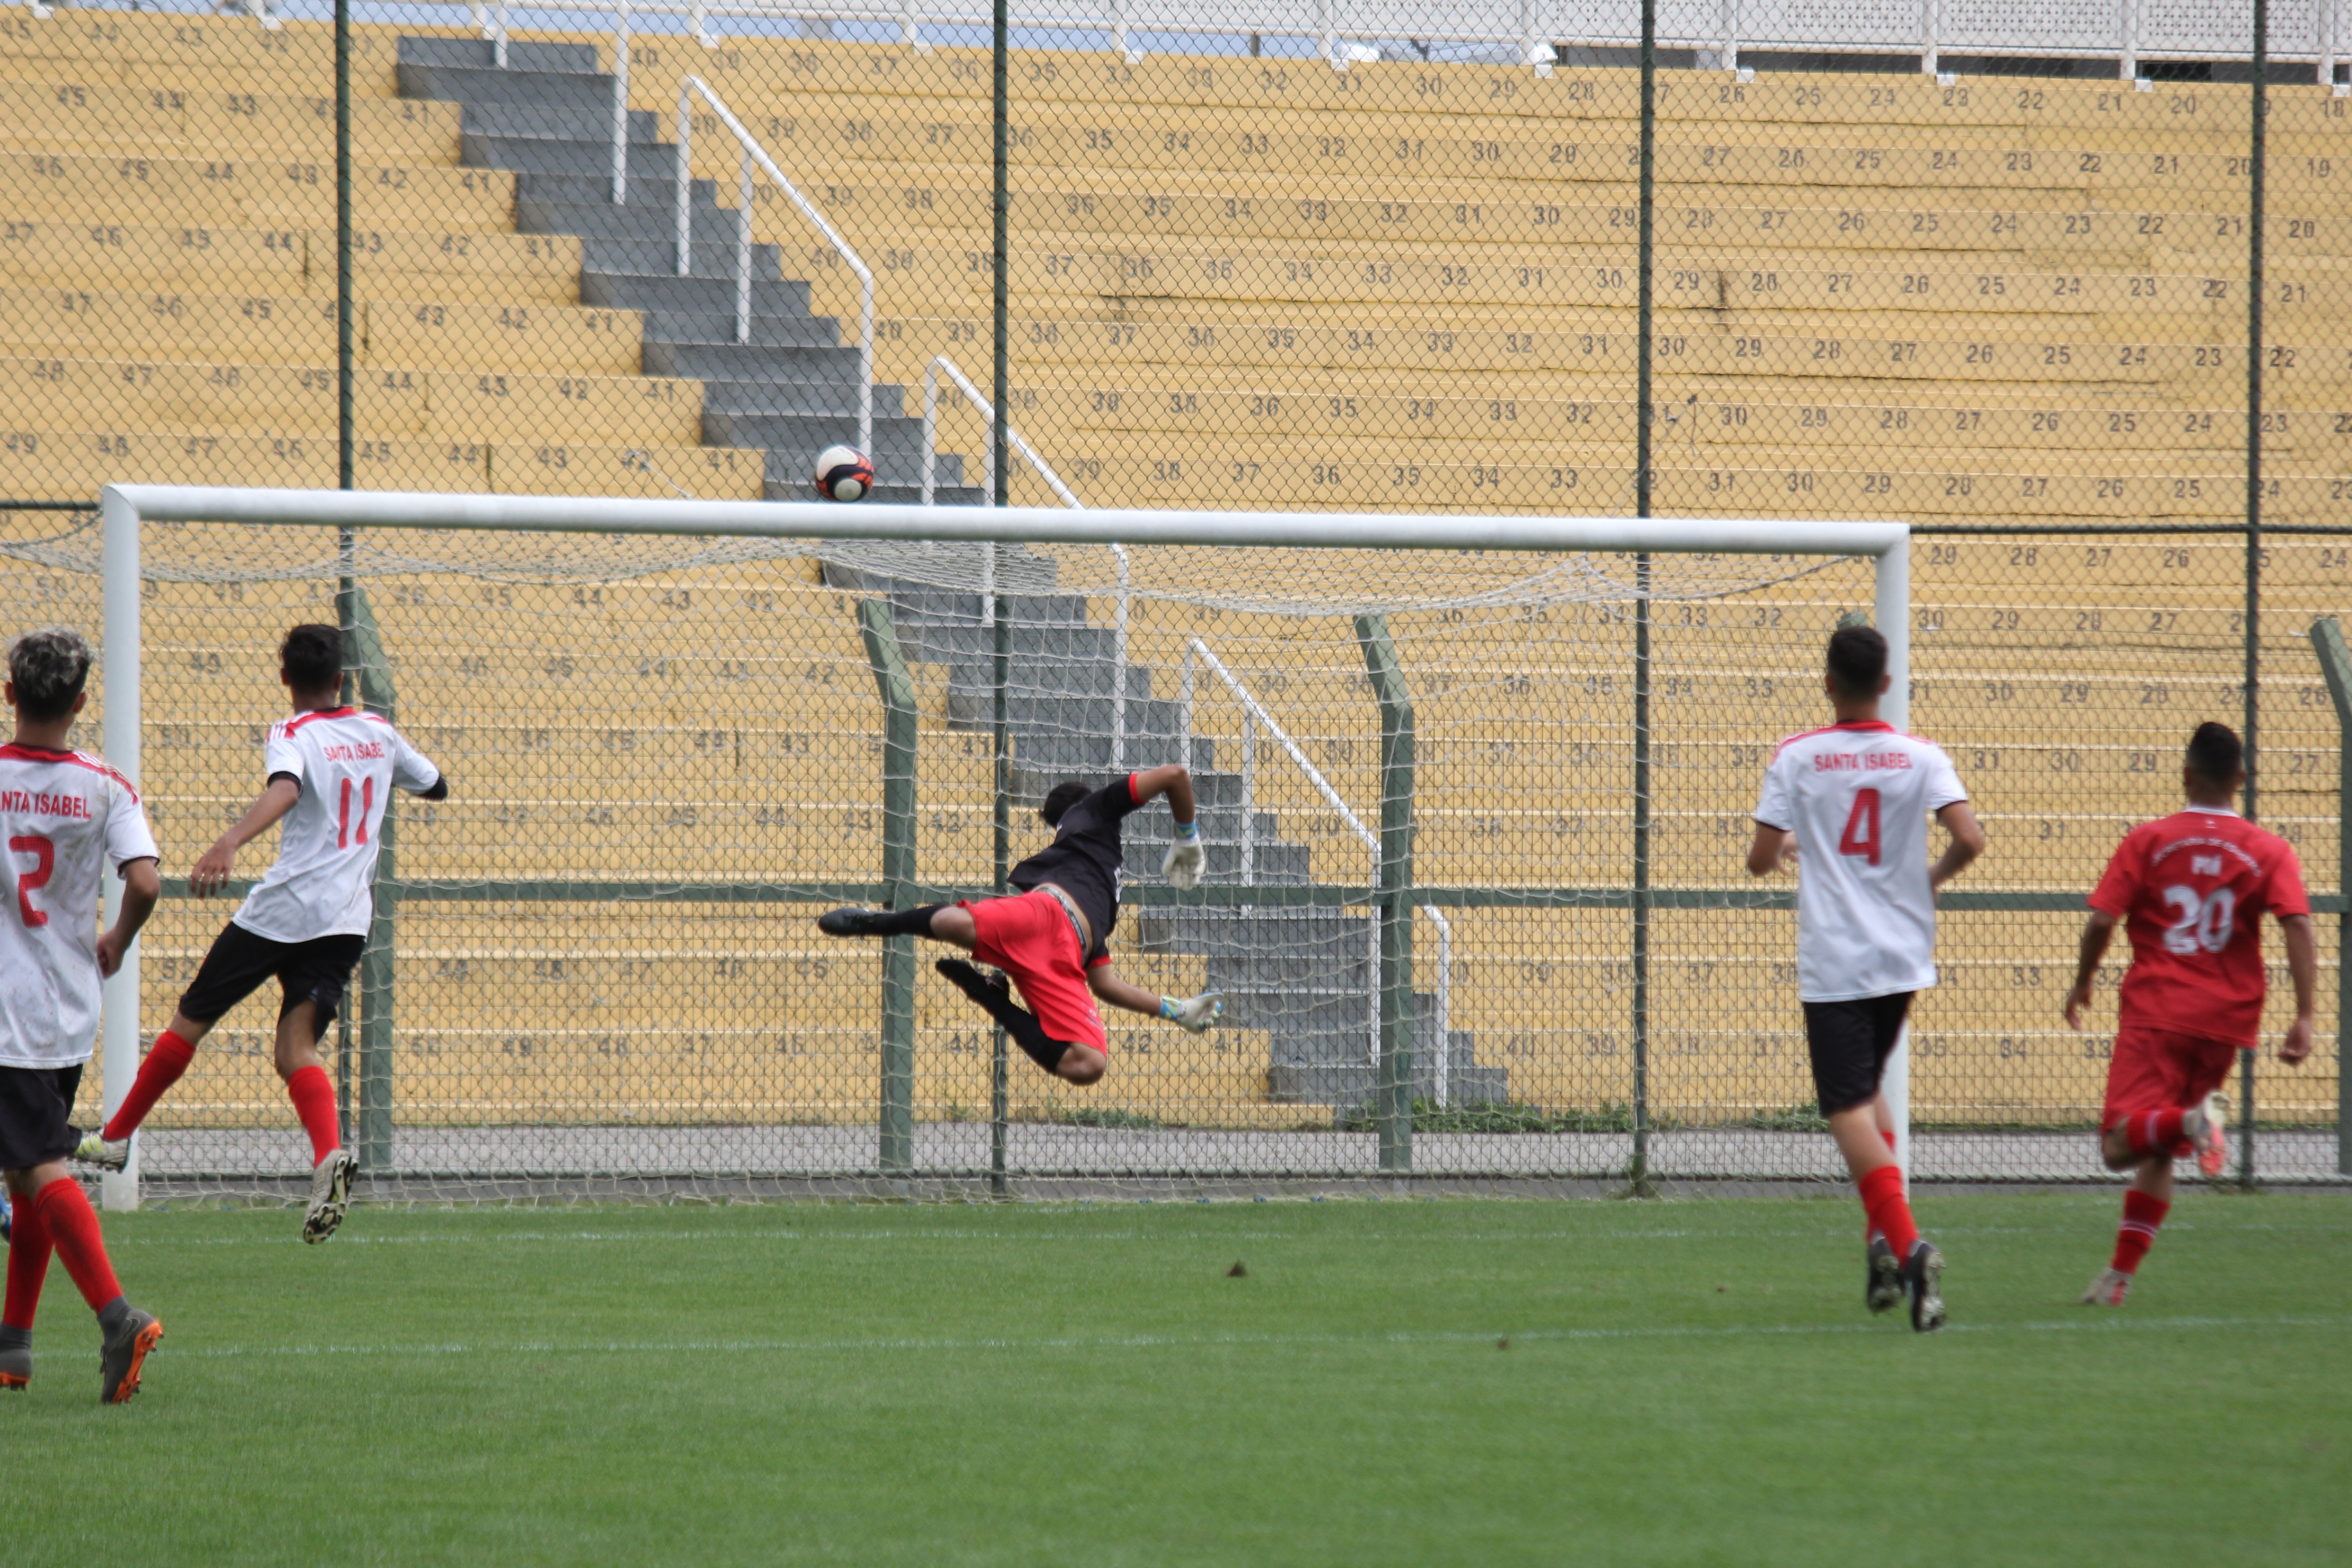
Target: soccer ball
[(843, 473)]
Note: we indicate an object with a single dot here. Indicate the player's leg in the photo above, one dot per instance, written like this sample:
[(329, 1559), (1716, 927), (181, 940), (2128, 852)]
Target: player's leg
[(234, 967), (2157, 1087), (315, 977), (951, 923), (35, 1135), (1071, 1060), (29, 1269), (1032, 939), (1848, 1043)]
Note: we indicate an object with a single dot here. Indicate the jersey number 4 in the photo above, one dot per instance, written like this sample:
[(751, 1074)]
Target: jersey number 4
[(1861, 835), (45, 864)]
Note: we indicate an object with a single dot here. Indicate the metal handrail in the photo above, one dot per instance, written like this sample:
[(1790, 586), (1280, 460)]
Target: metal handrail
[(693, 87), (1013, 437)]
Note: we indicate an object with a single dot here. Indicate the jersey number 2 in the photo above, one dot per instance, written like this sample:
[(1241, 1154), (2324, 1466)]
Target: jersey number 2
[(44, 863), (1861, 836)]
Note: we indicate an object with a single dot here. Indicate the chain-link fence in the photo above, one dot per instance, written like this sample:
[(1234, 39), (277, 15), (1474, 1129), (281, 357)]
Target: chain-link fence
[(2001, 286)]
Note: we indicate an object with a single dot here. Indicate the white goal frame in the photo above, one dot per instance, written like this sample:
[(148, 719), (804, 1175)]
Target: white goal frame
[(125, 508)]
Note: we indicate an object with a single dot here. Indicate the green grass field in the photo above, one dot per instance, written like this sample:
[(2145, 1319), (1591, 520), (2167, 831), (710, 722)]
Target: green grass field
[(1684, 1383)]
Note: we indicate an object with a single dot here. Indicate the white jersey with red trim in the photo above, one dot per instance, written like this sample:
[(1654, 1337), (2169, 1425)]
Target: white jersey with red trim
[(348, 763), (66, 817), (1858, 797)]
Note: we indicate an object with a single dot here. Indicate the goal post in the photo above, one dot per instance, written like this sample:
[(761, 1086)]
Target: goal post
[(1385, 557)]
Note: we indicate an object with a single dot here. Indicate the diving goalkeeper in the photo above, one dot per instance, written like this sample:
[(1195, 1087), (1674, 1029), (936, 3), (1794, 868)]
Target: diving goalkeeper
[(1053, 936)]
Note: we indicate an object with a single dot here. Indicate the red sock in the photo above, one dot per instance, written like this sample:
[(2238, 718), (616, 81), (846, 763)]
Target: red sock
[(28, 1265), (1889, 1211), (167, 1059), (1870, 1228), (314, 1103), (72, 1226), (2154, 1132), (2142, 1215)]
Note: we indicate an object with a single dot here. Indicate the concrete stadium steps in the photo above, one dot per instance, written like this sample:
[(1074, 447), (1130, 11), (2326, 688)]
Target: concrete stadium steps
[(541, 112)]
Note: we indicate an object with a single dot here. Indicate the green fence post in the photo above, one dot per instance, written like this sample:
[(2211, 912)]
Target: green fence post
[(1392, 1088), (890, 665), (370, 667), (2335, 666)]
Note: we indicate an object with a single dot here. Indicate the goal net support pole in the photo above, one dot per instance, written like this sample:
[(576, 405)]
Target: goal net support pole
[(127, 508)]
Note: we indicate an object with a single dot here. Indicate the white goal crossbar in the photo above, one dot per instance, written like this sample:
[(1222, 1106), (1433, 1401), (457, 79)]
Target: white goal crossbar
[(125, 508)]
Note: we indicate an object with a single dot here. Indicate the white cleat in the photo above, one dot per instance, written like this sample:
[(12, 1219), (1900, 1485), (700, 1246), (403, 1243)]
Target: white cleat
[(331, 1195), (105, 1153), (2207, 1127), (2109, 1290)]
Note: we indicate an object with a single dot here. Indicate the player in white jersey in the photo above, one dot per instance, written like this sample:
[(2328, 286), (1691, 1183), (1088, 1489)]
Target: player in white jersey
[(331, 773), (1857, 796), (65, 817)]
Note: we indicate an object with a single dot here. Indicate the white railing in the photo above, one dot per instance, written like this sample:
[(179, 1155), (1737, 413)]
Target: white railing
[(1443, 1069), (750, 152), (1013, 437), (621, 109)]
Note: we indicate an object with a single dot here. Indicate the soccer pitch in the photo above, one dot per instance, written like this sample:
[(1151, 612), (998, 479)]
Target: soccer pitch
[(1389, 1382)]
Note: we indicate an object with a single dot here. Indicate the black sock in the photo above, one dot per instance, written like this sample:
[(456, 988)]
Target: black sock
[(14, 1339), (113, 1312), (906, 922), (1019, 1022)]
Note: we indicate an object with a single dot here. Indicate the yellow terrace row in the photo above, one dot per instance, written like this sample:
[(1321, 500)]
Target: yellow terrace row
[(507, 268), (68, 114), (299, 330), (388, 403), (1317, 149), (69, 465), (289, 190)]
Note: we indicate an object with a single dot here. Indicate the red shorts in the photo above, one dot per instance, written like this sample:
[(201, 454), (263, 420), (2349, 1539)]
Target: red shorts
[(2161, 1069), (1030, 937)]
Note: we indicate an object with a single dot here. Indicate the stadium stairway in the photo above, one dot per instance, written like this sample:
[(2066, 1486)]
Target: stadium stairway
[(793, 389), (1301, 975)]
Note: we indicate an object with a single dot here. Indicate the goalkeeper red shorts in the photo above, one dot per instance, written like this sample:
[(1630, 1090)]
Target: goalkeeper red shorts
[(1030, 937), (2162, 1070)]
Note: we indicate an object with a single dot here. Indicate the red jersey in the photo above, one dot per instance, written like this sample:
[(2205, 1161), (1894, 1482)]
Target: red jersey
[(2191, 890)]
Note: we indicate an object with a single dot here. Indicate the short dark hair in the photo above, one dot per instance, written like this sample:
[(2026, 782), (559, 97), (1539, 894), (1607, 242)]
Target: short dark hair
[(1060, 799), (1857, 660), (2215, 754), (313, 656), (48, 668)]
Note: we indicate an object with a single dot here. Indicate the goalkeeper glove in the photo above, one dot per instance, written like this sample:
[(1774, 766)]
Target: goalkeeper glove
[(1194, 1014), (1185, 858)]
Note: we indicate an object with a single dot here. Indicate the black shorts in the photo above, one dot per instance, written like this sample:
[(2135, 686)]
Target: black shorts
[(36, 1115), (315, 971), (1850, 1042)]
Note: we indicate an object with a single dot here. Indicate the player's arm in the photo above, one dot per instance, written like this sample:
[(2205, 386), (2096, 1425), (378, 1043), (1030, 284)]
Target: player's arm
[(1967, 843), (2097, 932), (2303, 966), (1185, 859), (210, 872), (1192, 1013), (1772, 850), (142, 886)]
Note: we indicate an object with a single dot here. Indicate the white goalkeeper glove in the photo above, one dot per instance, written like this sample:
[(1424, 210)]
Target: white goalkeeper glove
[(1185, 858), (1194, 1014)]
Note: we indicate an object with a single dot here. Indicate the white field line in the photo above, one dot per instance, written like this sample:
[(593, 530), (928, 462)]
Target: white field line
[(2105, 1323), (459, 1238)]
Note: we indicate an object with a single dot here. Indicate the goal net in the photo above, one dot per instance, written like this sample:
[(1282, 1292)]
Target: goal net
[(1475, 818)]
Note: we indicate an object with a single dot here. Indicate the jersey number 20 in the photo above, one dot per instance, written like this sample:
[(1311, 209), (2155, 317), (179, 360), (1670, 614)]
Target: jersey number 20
[(2206, 923), (1861, 836)]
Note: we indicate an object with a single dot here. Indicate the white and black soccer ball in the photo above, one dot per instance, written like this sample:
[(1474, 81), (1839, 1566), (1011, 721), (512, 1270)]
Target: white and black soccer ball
[(843, 473)]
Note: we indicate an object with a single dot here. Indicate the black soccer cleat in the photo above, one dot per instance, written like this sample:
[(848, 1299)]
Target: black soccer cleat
[(1882, 1286), (124, 1354), (1923, 1278), (967, 978), (849, 921)]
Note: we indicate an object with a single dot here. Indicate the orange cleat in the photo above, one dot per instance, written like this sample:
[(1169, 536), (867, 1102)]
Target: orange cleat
[(124, 1354)]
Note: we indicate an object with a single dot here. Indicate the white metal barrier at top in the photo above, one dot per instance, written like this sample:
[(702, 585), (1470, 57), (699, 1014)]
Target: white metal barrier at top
[(2126, 31)]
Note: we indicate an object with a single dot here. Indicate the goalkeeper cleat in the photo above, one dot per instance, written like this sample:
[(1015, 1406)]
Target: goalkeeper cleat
[(1882, 1289), (16, 1366), (124, 1353), (1922, 1282), (849, 921), (107, 1154), (2207, 1126), (2109, 1290), (331, 1195)]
